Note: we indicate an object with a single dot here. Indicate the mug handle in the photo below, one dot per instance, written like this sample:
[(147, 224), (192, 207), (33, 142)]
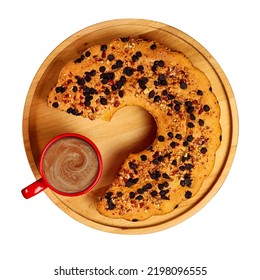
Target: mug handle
[(33, 189)]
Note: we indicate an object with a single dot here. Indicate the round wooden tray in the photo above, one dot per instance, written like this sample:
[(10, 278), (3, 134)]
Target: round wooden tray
[(131, 129)]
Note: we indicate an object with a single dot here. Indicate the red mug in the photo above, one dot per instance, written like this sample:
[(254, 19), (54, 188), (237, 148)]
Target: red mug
[(70, 165)]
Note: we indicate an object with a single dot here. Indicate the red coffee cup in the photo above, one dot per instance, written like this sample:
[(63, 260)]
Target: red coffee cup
[(70, 165)]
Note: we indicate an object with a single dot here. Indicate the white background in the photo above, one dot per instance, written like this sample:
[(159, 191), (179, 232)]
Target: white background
[(37, 237)]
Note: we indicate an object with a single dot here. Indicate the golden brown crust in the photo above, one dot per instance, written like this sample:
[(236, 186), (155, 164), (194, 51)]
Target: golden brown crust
[(164, 82)]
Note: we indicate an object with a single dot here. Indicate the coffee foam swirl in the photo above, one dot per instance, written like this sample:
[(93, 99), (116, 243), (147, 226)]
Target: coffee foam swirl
[(70, 165)]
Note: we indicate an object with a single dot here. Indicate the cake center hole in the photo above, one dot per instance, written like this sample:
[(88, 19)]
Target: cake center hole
[(131, 130)]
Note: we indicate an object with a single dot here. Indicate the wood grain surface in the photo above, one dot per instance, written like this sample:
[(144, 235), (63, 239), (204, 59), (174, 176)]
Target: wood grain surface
[(131, 129)]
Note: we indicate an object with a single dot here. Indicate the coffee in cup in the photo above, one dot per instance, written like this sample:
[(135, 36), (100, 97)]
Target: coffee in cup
[(70, 165)]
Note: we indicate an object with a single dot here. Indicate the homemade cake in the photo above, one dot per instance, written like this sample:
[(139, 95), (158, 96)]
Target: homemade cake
[(136, 72)]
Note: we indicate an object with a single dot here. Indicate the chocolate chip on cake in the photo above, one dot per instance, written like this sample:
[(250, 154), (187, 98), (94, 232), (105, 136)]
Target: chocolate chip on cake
[(119, 194), (102, 69), (178, 136), (80, 59), (206, 108), (143, 157), (132, 165), (103, 101), (154, 193), (190, 138), (139, 197), (60, 89), (131, 181), (110, 57), (132, 195), (140, 68), (153, 46), (87, 53), (157, 98), (161, 138), (190, 124), (201, 122), (183, 85), (128, 71), (140, 191), (188, 194), (151, 94), (103, 47)]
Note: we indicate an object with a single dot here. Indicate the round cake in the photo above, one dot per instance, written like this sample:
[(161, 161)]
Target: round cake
[(137, 72)]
